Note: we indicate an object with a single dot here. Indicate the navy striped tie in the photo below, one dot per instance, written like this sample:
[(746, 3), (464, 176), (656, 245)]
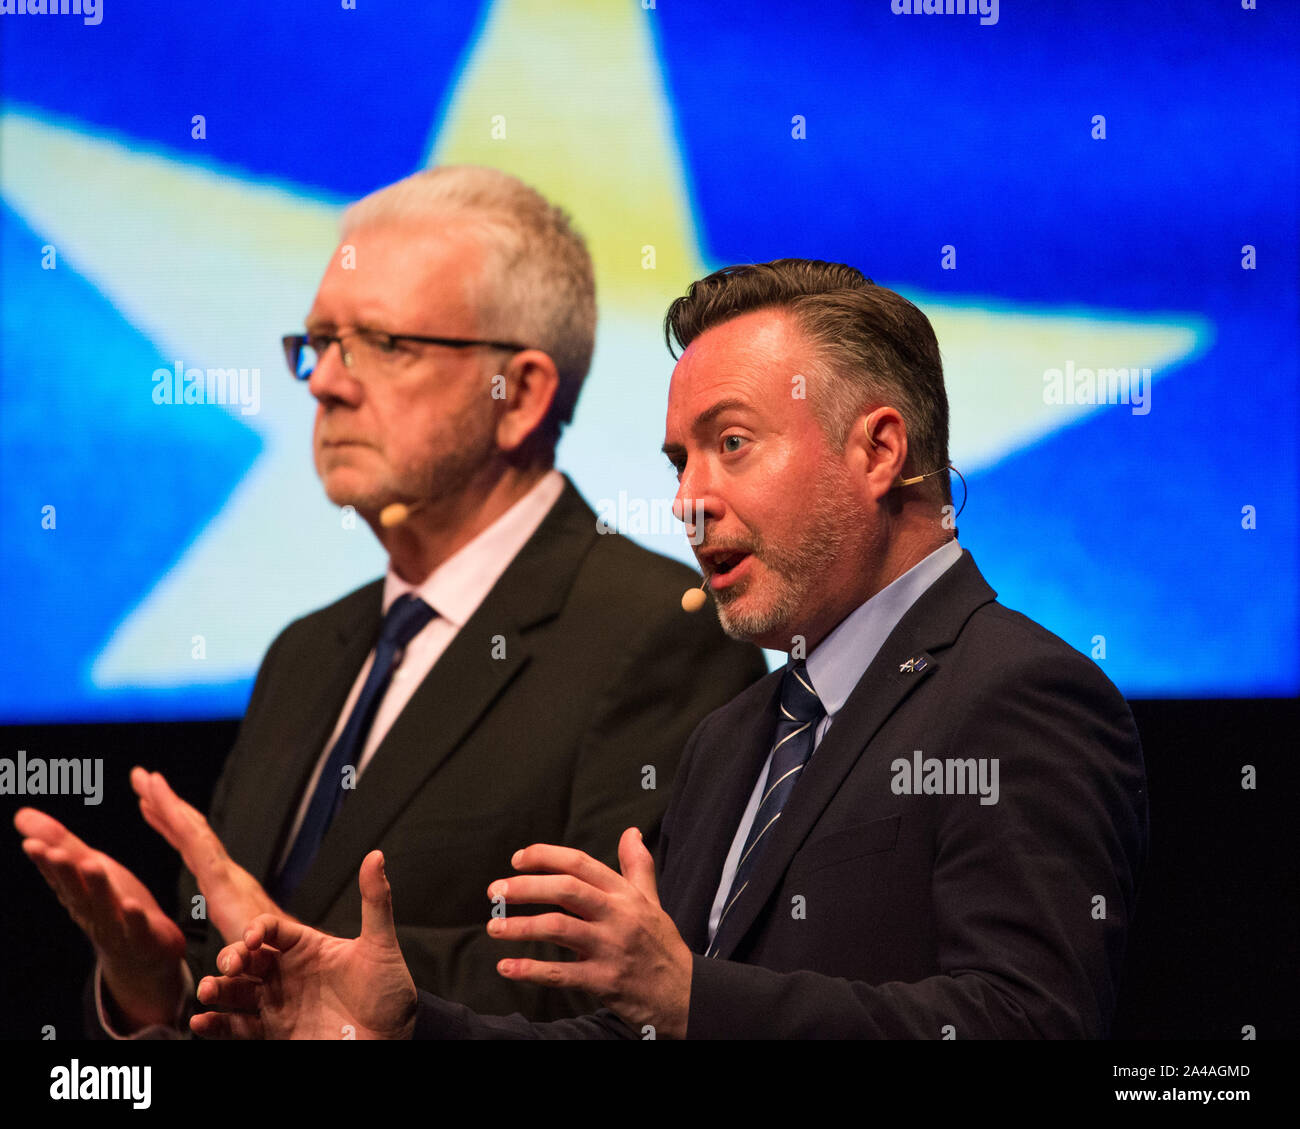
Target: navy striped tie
[(404, 621), (801, 711)]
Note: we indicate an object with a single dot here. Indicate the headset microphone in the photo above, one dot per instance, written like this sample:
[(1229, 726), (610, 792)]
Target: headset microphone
[(693, 599), (397, 512), (918, 478)]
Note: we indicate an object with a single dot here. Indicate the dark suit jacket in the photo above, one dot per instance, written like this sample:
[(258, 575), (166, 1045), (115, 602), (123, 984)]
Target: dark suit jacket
[(603, 678), (875, 914)]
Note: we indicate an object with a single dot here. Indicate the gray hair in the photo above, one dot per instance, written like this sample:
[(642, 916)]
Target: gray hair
[(538, 287)]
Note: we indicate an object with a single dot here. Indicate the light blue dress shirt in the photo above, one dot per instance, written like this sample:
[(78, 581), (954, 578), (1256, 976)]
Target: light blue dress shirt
[(835, 668)]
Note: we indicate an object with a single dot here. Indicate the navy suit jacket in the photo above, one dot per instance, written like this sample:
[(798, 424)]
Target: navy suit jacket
[(874, 913)]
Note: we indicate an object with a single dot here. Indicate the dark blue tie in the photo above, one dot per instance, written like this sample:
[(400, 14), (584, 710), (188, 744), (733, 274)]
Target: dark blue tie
[(404, 621), (801, 711)]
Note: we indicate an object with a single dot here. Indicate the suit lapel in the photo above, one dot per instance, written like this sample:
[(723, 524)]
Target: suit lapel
[(269, 790), (727, 782), (463, 685), (928, 627)]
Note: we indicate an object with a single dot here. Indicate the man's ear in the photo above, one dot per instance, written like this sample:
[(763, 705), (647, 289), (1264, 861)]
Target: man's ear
[(878, 444), (528, 385)]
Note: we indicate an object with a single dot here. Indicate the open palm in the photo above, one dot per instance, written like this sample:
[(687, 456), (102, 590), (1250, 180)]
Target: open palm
[(113, 907)]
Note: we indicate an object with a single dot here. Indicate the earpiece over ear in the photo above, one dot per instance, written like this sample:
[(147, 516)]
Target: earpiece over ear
[(901, 481)]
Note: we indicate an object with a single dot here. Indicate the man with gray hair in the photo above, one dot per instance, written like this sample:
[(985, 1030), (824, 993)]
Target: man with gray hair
[(518, 674)]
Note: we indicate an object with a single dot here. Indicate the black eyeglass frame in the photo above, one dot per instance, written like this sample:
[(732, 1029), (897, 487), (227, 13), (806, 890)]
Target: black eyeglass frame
[(293, 345)]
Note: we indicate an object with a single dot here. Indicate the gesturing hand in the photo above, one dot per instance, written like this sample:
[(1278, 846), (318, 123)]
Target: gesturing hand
[(138, 946), (629, 951), (234, 897), (285, 980)]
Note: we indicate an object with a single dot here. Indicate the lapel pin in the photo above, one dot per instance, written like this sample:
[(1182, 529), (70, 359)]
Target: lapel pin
[(913, 665)]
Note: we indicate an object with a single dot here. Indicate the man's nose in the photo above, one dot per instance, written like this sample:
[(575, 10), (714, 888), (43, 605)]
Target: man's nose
[(695, 505), (331, 379)]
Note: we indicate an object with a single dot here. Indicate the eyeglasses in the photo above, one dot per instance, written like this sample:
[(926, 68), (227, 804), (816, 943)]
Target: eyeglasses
[(304, 351)]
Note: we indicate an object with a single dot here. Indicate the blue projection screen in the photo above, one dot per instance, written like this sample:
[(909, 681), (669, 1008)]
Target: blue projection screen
[(1095, 203)]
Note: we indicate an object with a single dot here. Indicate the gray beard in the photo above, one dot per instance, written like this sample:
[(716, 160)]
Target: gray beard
[(793, 571)]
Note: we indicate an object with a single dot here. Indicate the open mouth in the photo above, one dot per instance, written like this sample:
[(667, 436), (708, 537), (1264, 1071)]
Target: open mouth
[(724, 565)]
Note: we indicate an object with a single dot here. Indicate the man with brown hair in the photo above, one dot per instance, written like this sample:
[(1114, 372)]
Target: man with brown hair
[(930, 824)]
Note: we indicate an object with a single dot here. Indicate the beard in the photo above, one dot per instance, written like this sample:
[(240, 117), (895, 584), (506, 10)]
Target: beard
[(792, 569), (446, 467), (468, 446)]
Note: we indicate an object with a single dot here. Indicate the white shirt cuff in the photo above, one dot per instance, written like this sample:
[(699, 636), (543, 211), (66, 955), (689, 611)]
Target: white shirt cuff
[(154, 1030)]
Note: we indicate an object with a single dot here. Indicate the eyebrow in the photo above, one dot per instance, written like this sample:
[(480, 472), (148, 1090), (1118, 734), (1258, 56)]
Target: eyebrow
[(318, 325), (369, 318), (706, 417)]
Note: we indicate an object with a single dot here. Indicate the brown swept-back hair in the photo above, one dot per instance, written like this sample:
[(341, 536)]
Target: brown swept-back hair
[(873, 346)]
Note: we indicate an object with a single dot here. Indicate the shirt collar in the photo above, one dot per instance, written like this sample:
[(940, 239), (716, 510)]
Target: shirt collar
[(841, 659), (457, 586)]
